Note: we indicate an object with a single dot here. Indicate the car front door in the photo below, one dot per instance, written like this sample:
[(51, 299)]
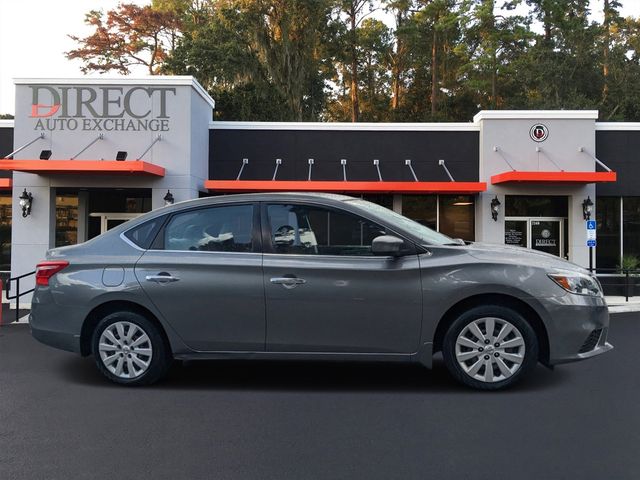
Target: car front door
[(204, 275), (326, 291)]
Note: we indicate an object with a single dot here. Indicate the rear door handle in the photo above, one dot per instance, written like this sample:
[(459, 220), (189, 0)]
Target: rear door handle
[(288, 282), (162, 277)]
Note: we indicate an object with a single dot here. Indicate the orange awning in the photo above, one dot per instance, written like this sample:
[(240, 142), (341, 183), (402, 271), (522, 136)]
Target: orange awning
[(553, 177), (80, 167), (5, 183), (343, 187)]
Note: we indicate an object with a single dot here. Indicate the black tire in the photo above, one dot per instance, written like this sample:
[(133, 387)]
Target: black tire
[(161, 357), (503, 314)]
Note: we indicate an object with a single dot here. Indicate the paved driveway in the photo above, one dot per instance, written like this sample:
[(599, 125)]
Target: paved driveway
[(60, 420)]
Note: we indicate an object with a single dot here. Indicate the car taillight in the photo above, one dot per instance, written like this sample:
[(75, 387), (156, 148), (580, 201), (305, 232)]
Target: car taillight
[(46, 270)]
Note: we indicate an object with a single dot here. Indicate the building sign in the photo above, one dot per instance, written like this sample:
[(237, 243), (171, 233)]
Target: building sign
[(545, 234), (539, 132), (515, 233), (100, 108)]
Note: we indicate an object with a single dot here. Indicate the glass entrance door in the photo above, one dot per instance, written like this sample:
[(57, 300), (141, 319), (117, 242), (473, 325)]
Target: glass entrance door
[(110, 220), (543, 234)]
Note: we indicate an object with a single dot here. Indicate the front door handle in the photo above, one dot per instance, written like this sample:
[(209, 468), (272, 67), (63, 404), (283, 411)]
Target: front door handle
[(288, 282), (162, 277)]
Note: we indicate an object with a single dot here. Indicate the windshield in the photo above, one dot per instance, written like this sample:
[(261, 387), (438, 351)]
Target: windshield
[(425, 234)]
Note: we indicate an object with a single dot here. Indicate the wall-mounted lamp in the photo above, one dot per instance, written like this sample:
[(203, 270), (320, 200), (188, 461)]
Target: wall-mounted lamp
[(587, 208), (26, 199), (121, 156), (45, 154), (168, 198), (495, 208)]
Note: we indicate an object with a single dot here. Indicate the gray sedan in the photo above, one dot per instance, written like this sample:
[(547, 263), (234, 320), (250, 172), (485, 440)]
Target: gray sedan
[(311, 276)]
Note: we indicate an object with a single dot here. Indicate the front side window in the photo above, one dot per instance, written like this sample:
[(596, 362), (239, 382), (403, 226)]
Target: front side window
[(311, 230), (213, 229)]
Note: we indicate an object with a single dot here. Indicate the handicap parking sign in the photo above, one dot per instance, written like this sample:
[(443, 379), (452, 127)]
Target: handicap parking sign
[(591, 233)]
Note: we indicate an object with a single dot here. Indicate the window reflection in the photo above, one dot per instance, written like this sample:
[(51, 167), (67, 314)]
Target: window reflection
[(217, 229), (608, 228), (5, 232), (457, 216), (301, 229), (66, 220)]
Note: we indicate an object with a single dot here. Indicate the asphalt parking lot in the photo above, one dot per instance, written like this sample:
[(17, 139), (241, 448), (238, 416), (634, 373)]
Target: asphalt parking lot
[(59, 419)]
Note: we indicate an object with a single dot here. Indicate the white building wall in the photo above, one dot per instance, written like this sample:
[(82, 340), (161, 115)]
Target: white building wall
[(186, 109), (505, 138)]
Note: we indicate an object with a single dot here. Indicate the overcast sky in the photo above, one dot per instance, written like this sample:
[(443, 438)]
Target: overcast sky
[(33, 38)]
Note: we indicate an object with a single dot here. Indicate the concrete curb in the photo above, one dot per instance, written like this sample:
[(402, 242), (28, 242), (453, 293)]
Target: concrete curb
[(624, 308)]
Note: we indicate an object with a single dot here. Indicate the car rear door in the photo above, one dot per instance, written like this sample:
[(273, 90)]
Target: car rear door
[(327, 292), (204, 274)]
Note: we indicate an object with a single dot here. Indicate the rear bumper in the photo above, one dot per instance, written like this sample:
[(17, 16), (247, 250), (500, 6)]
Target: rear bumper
[(61, 340), (53, 325)]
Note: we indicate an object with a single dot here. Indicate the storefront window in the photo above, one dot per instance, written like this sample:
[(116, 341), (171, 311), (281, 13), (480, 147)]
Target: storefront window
[(421, 208), (66, 220), (5, 232), (383, 200), (536, 206), (631, 229), (608, 217), (457, 216)]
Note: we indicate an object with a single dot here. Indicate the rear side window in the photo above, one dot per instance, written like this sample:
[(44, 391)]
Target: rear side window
[(143, 234), (213, 229)]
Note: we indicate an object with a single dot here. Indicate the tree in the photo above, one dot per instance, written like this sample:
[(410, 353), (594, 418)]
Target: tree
[(611, 19), (354, 12), (130, 35), (492, 46), (402, 11), (374, 49), (215, 46), (286, 35)]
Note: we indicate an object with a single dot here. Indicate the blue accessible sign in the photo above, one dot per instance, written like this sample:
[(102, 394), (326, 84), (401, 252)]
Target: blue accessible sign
[(591, 233)]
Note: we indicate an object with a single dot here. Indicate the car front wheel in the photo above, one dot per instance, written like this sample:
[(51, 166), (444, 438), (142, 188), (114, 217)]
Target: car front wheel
[(490, 347), (129, 349)]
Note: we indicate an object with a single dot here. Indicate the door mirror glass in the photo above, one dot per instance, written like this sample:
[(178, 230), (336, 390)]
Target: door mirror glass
[(387, 245)]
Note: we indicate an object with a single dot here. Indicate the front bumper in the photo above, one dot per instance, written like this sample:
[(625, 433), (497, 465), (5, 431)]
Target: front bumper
[(578, 327)]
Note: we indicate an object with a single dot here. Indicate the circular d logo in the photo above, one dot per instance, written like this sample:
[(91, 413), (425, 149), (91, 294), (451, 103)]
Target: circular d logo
[(539, 132)]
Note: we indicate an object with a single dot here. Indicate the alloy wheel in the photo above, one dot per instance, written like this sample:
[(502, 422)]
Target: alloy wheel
[(490, 349), (125, 349)]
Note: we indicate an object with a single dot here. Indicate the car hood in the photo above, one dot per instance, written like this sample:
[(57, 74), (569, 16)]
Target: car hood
[(521, 256)]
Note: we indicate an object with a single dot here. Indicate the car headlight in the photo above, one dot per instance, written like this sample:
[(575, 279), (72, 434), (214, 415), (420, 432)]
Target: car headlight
[(578, 283)]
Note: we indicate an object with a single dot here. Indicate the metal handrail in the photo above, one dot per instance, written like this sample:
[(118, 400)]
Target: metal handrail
[(18, 294), (619, 272)]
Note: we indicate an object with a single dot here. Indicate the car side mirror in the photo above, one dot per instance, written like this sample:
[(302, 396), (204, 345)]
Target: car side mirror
[(387, 245)]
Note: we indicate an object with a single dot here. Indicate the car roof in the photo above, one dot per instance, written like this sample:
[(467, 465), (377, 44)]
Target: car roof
[(263, 197)]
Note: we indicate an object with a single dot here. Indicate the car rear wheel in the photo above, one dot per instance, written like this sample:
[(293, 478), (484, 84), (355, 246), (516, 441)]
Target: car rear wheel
[(129, 349), (490, 347)]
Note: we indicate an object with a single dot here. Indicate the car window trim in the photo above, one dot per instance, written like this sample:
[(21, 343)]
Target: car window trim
[(268, 248), (256, 242)]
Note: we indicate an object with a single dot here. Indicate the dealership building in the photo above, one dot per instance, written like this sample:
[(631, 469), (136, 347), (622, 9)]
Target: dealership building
[(83, 155)]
